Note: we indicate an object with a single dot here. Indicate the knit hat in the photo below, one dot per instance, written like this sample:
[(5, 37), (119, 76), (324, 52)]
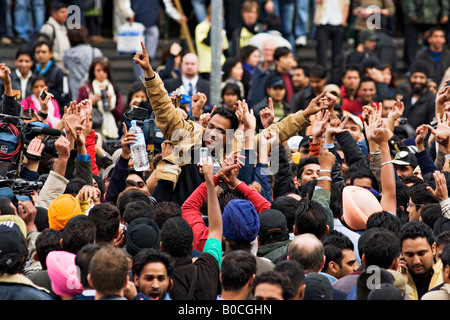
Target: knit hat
[(273, 225), (11, 242), (63, 273), (240, 221), (420, 66), (142, 233), (358, 205), (10, 219), (61, 210)]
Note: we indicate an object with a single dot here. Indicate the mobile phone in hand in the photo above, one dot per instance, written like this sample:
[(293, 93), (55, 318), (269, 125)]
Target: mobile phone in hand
[(43, 95)]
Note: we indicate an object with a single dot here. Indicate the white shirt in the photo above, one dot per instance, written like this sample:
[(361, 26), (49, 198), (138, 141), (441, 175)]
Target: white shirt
[(23, 83), (186, 82), (332, 13)]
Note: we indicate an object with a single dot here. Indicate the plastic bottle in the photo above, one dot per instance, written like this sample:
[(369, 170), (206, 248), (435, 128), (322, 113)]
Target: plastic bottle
[(139, 148)]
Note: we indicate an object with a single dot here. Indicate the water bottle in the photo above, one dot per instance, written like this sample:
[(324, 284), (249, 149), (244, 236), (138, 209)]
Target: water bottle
[(139, 148)]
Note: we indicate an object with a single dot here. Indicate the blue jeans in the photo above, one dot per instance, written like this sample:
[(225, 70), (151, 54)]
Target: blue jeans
[(28, 19), (199, 7), (302, 17), (8, 20), (285, 9), (151, 35)]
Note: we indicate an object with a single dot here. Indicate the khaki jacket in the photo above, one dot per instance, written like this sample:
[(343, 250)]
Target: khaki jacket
[(186, 134)]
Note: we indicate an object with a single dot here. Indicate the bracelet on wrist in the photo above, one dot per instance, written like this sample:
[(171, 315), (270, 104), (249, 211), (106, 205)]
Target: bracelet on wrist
[(323, 178), (387, 162), (325, 170)]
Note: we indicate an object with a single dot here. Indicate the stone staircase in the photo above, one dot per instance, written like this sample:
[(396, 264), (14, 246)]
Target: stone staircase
[(122, 65)]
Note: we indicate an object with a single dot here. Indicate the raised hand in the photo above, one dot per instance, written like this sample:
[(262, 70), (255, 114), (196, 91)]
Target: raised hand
[(143, 60), (441, 191), (198, 102), (320, 125), (128, 139), (267, 115), (442, 132), (421, 134), (4, 73), (317, 104)]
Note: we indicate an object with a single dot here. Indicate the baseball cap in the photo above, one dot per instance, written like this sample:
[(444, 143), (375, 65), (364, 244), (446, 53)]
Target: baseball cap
[(356, 120), (405, 158), (318, 287), (367, 34), (275, 81), (273, 225)]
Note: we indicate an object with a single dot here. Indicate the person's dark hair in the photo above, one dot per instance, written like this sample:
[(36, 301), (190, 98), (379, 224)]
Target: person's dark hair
[(41, 219), (443, 238), (41, 42), (177, 237), (293, 270), (384, 219), (276, 278), (363, 239), (23, 50), (104, 63), (16, 264), (363, 281), (56, 5), (108, 270), (288, 206), (165, 210), (303, 163), (416, 229), (78, 232), (272, 22), (366, 79), (445, 257), (401, 193), (227, 196), (105, 217), (135, 87), (281, 52), (360, 173), (82, 260), (246, 51), (77, 35), (311, 217), (149, 255), (230, 115), (130, 195), (137, 209), (430, 213), (229, 64), (352, 67), (393, 83), (5, 205), (233, 87), (332, 254), (74, 186), (318, 71), (48, 240), (100, 185), (338, 239), (306, 69), (37, 77), (381, 249), (419, 193), (412, 179), (237, 267)]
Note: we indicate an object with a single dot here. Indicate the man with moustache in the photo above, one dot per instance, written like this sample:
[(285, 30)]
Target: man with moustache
[(419, 101)]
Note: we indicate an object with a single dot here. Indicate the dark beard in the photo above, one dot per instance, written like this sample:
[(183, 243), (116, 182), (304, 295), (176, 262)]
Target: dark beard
[(418, 89)]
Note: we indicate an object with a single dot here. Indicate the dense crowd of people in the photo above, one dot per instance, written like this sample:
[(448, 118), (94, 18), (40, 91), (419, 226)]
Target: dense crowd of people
[(323, 181)]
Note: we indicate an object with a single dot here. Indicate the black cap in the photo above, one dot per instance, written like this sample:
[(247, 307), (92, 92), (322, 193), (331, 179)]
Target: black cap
[(318, 287), (405, 158), (275, 81), (273, 225), (372, 62)]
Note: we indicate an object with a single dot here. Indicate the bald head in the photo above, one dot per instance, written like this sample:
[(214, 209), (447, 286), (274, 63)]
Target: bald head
[(307, 250), (268, 49), (189, 65)]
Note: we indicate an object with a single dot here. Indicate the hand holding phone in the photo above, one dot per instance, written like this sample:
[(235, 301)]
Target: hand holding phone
[(43, 95), (203, 155)]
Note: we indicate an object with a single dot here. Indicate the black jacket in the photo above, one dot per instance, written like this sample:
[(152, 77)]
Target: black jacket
[(422, 112)]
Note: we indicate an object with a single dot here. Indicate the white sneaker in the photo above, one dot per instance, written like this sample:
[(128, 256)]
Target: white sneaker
[(301, 41)]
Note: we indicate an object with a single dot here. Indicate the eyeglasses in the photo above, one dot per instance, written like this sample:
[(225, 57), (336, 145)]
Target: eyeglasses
[(413, 204)]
